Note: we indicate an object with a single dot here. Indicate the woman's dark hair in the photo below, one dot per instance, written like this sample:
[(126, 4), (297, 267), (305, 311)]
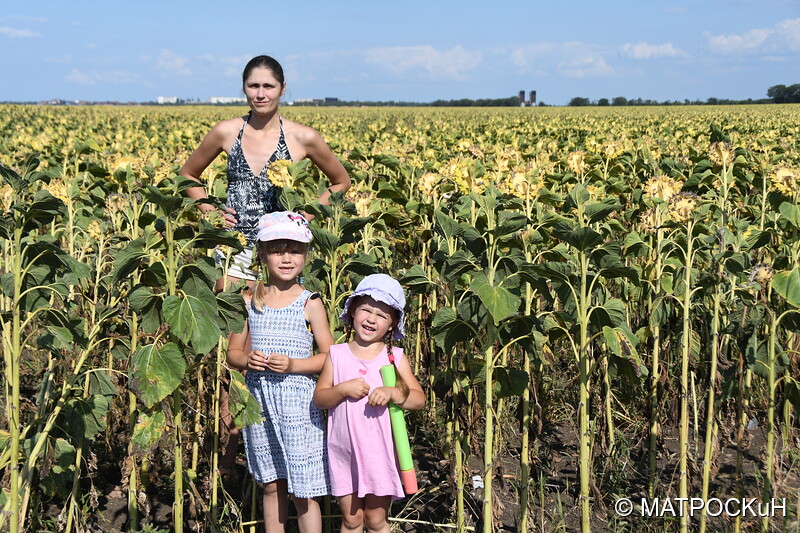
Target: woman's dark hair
[(266, 62)]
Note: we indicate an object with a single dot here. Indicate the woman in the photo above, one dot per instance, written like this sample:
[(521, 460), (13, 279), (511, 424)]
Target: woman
[(253, 142)]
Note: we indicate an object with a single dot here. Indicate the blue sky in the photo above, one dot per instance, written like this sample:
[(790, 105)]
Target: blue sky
[(410, 51)]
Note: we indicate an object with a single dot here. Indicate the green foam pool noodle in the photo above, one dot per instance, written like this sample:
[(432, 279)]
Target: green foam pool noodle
[(400, 434)]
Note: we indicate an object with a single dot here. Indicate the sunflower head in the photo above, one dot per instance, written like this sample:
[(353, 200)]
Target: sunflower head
[(662, 187), (785, 180), (428, 182), (94, 230), (58, 189), (278, 173), (681, 206), (124, 164), (762, 274), (6, 197), (576, 162), (721, 154), (613, 149), (650, 220)]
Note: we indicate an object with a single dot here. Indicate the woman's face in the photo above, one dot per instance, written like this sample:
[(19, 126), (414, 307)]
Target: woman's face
[(263, 91)]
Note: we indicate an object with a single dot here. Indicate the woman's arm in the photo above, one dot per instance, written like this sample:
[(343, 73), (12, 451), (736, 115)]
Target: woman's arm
[(327, 395), (318, 151), (210, 147)]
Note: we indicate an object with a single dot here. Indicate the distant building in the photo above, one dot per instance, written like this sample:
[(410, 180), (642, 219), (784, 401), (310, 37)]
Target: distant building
[(167, 100), (529, 102), (227, 100), (308, 101)]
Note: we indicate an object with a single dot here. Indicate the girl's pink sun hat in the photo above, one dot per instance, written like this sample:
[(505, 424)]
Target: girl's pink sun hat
[(283, 225)]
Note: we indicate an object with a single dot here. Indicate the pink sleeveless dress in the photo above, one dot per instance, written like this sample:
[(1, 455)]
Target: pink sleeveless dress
[(361, 454)]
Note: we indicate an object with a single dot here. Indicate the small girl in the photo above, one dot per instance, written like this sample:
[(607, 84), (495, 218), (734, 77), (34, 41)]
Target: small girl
[(363, 467), (285, 452)]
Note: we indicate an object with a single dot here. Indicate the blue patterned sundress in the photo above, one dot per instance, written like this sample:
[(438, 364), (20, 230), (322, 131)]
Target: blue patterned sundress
[(290, 443), (251, 194)]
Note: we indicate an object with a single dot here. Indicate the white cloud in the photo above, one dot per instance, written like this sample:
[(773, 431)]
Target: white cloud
[(642, 50), (81, 78), (571, 59), (169, 62), (587, 67), (452, 64), (736, 44), (109, 76), (525, 58), (789, 32), (780, 38), (16, 33), (227, 66)]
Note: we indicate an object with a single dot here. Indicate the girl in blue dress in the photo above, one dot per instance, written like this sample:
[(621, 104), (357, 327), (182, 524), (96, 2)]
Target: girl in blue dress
[(285, 452)]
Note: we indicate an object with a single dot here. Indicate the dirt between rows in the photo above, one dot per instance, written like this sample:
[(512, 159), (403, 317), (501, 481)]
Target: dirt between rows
[(554, 485)]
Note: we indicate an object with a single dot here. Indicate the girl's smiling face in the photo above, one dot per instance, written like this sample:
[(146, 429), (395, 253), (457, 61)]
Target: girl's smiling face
[(372, 320), (284, 259)]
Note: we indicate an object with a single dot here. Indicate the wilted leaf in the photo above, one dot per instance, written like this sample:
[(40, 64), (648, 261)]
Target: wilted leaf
[(243, 405), (149, 429), (156, 372)]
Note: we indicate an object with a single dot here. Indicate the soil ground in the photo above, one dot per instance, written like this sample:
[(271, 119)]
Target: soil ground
[(554, 483)]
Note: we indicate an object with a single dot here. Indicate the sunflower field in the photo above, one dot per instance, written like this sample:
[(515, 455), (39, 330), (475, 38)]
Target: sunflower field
[(604, 307)]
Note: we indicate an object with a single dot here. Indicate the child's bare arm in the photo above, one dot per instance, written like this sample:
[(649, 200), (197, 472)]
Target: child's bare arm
[(416, 398), (238, 349), (318, 319), (327, 395)]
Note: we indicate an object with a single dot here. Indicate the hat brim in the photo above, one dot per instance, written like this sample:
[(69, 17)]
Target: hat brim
[(378, 296)]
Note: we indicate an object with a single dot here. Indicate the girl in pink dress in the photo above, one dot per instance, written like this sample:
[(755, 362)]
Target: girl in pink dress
[(363, 465)]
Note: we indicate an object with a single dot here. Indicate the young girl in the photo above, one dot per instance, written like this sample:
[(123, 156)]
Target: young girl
[(363, 467), (286, 452)]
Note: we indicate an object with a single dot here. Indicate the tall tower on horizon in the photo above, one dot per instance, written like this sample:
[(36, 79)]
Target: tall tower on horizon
[(531, 101)]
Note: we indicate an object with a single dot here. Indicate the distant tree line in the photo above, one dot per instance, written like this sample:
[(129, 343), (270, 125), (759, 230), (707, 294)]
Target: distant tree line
[(777, 94), (511, 101), (579, 101), (781, 94)]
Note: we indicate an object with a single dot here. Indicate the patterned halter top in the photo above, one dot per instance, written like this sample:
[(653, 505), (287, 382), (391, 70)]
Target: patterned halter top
[(249, 194)]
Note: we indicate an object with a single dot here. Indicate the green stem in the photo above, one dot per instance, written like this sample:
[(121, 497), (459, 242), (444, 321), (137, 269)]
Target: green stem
[(15, 356), (584, 365), (488, 445), (711, 422), (767, 494), (683, 438), (177, 508)]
